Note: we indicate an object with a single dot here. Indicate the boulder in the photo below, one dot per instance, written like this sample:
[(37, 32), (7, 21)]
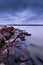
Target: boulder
[(2, 64), (9, 29), (17, 44), (3, 53), (25, 55), (12, 51), (2, 27), (26, 34), (7, 35), (23, 63), (1, 40)]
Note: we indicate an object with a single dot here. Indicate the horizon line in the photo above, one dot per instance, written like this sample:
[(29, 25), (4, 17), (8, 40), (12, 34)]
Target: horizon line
[(21, 25)]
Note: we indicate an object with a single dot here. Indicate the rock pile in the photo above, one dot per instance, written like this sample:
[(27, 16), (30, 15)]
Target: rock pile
[(11, 50)]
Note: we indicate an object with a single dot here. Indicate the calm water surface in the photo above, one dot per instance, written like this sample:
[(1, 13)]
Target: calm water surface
[(36, 39)]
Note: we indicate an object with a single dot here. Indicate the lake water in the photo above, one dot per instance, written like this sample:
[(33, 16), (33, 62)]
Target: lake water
[(36, 34), (36, 39)]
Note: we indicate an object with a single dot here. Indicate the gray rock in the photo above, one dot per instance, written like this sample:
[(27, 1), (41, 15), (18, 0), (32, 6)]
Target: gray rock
[(25, 55)]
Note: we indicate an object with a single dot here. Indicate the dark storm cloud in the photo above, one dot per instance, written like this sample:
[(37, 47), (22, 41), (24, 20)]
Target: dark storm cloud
[(20, 4), (21, 11)]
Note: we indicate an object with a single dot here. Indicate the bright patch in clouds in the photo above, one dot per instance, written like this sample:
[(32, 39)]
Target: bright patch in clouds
[(23, 17)]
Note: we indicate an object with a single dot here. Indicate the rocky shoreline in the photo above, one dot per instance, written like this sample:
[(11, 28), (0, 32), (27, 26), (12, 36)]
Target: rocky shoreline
[(12, 52)]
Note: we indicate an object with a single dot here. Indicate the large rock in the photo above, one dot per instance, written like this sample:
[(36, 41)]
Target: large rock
[(3, 53), (22, 64), (27, 34), (1, 40), (25, 63), (2, 27), (25, 55), (2, 64), (7, 35), (12, 51)]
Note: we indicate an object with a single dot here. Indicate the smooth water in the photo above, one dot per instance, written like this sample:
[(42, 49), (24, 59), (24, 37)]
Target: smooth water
[(36, 34), (36, 39)]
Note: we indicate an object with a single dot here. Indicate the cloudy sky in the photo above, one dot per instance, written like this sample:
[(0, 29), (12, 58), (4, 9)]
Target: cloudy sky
[(21, 11)]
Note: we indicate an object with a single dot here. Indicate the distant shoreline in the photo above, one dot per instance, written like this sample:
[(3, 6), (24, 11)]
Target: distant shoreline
[(21, 25)]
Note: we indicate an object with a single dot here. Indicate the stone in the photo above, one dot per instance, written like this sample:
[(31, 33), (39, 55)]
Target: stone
[(17, 44), (25, 63), (7, 35), (4, 53), (10, 42), (2, 27), (25, 55), (22, 64), (1, 41), (2, 64), (10, 29), (22, 37), (12, 32), (12, 51), (26, 34)]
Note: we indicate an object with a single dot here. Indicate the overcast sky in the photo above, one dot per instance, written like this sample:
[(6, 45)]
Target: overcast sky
[(21, 11)]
